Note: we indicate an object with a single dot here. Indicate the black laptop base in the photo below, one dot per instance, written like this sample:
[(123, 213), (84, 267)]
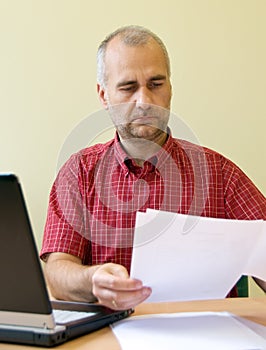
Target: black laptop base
[(46, 338)]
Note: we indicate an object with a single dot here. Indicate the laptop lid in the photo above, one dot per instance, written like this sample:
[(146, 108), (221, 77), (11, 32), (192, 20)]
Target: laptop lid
[(25, 308)]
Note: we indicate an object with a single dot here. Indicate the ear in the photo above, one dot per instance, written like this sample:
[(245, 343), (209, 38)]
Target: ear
[(102, 96)]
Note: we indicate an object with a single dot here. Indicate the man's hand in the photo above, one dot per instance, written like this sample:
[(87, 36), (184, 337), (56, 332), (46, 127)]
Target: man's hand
[(110, 283), (113, 287)]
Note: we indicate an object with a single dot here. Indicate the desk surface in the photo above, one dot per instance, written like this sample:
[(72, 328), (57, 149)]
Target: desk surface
[(253, 309)]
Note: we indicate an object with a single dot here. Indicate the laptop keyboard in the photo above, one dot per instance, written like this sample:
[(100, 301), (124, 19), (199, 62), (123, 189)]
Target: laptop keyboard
[(65, 316)]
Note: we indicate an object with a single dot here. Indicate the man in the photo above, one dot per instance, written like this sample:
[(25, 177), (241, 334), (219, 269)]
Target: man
[(88, 236)]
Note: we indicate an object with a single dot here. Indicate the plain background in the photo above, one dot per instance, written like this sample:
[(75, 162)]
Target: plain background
[(48, 79)]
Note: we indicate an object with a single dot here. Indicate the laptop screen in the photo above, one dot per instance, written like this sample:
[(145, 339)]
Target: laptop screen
[(23, 287)]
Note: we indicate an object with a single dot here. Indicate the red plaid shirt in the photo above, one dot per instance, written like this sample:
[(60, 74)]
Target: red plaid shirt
[(94, 199)]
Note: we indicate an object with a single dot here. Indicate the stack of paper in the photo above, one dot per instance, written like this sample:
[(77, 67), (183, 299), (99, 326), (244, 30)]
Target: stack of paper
[(184, 257), (189, 331)]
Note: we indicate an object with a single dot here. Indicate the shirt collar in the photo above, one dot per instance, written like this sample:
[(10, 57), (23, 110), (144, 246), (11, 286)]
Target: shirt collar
[(157, 159), (120, 153)]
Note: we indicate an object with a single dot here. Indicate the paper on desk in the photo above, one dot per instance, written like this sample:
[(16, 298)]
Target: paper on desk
[(192, 330), (185, 257)]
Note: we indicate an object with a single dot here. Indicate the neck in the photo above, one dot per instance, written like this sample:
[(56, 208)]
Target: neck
[(141, 149)]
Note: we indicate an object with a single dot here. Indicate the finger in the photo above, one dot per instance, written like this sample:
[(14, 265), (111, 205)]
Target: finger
[(118, 284), (130, 300), (119, 272), (116, 270), (114, 277), (123, 300)]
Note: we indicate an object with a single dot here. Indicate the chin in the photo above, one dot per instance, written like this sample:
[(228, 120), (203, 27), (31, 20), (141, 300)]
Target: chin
[(147, 132)]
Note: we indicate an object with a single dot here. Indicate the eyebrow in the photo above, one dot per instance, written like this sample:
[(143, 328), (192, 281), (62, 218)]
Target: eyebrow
[(126, 82), (158, 77), (132, 82)]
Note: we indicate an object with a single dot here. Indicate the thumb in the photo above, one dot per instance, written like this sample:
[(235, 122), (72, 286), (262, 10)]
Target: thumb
[(118, 270)]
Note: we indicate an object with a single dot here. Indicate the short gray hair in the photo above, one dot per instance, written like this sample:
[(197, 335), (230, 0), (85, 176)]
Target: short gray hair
[(130, 35)]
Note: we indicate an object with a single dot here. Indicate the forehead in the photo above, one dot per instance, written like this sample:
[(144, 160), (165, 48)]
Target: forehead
[(122, 59)]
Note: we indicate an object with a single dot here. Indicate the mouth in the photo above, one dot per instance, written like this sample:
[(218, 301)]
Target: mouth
[(148, 119)]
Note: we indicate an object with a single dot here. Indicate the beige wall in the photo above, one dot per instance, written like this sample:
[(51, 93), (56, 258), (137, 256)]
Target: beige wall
[(47, 78)]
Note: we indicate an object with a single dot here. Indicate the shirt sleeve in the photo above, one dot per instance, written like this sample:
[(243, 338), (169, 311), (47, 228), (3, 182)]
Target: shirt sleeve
[(243, 200), (65, 229)]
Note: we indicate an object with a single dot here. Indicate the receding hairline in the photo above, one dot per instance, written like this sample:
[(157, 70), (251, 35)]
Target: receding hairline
[(132, 36)]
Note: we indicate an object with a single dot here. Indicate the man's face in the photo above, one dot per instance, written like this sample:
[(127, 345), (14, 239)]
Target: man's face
[(138, 89)]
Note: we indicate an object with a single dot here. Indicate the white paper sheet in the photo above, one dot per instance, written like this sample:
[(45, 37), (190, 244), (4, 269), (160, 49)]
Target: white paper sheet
[(197, 330), (256, 265), (183, 257)]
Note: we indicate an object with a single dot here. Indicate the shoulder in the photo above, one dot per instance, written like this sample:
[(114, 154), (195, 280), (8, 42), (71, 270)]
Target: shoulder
[(89, 156), (214, 159), (95, 150), (195, 150), (188, 146), (83, 162)]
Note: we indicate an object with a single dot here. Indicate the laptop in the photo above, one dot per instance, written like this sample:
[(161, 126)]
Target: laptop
[(27, 316)]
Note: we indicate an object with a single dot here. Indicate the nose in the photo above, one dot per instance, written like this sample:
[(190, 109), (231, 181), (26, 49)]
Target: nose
[(143, 98)]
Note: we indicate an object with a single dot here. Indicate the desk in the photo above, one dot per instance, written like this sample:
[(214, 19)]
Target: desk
[(253, 309)]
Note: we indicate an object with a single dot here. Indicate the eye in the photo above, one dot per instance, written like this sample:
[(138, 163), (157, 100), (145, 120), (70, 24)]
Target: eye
[(128, 88), (155, 84)]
